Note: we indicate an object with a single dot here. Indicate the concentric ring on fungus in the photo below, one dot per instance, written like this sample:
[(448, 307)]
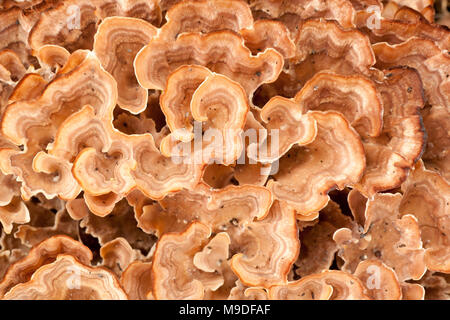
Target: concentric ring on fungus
[(225, 149)]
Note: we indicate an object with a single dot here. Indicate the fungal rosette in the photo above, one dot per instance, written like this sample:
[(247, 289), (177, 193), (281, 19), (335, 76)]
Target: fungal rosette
[(224, 150)]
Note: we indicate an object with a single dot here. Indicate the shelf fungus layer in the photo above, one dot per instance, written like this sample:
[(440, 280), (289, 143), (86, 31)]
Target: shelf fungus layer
[(224, 149)]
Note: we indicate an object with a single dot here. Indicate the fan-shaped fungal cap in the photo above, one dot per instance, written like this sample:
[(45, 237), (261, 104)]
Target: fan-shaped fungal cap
[(13, 212), (265, 34), (35, 123), (286, 124), (267, 248), (412, 291), (354, 96), (386, 236), (117, 255), (432, 63), (53, 57), (197, 153), (62, 24), (334, 48), (381, 281), (174, 273), (219, 105), (339, 10), (158, 59), (43, 253), (221, 210), (426, 195), (206, 16), (437, 153), (136, 280), (334, 159), (157, 175), (68, 279), (73, 24), (116, 43), (11, 67), (327, 285), (213, 254), (391, 154), (423, 6), (396, 26)]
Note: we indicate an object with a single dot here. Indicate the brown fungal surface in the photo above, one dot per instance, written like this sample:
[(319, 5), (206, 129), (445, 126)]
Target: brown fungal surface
[(224, 149)]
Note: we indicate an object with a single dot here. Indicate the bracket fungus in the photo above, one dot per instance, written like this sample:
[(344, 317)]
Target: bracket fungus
[(224, 149)]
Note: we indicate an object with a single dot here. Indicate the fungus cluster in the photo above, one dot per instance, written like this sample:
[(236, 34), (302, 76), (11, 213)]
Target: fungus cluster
[(224, 149)]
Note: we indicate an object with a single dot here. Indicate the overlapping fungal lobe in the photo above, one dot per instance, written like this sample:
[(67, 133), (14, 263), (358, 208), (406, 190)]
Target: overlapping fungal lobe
[(380, 281), (332, 41), (106, 192), (265, 34), (29, 87), (157, 175), (218, 176), (175, 275), (206, 16), (42, 254), (148, 10), (12, 209), (341, 11), (73, 25), (267, 249), (241, 292), (324, 45), (426, 195), (354, 96), (220, 51), (12, 68), (248, 170), (217, 251), (397, 27), (437, 285), (229, 209), (391, 154), (116, 43), (31, 235), (287, 124), (423, 6), (317, 247), (436, 157), (386, 236), (136, 281), (101, 205), (52, 57), (81, 82), (327, 285), (12, 71), (412, 291), (14, 36), (333, 160), (68, 279), (427, 58), (120, 223), (101, 160), (218, 106), (118, 254)]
